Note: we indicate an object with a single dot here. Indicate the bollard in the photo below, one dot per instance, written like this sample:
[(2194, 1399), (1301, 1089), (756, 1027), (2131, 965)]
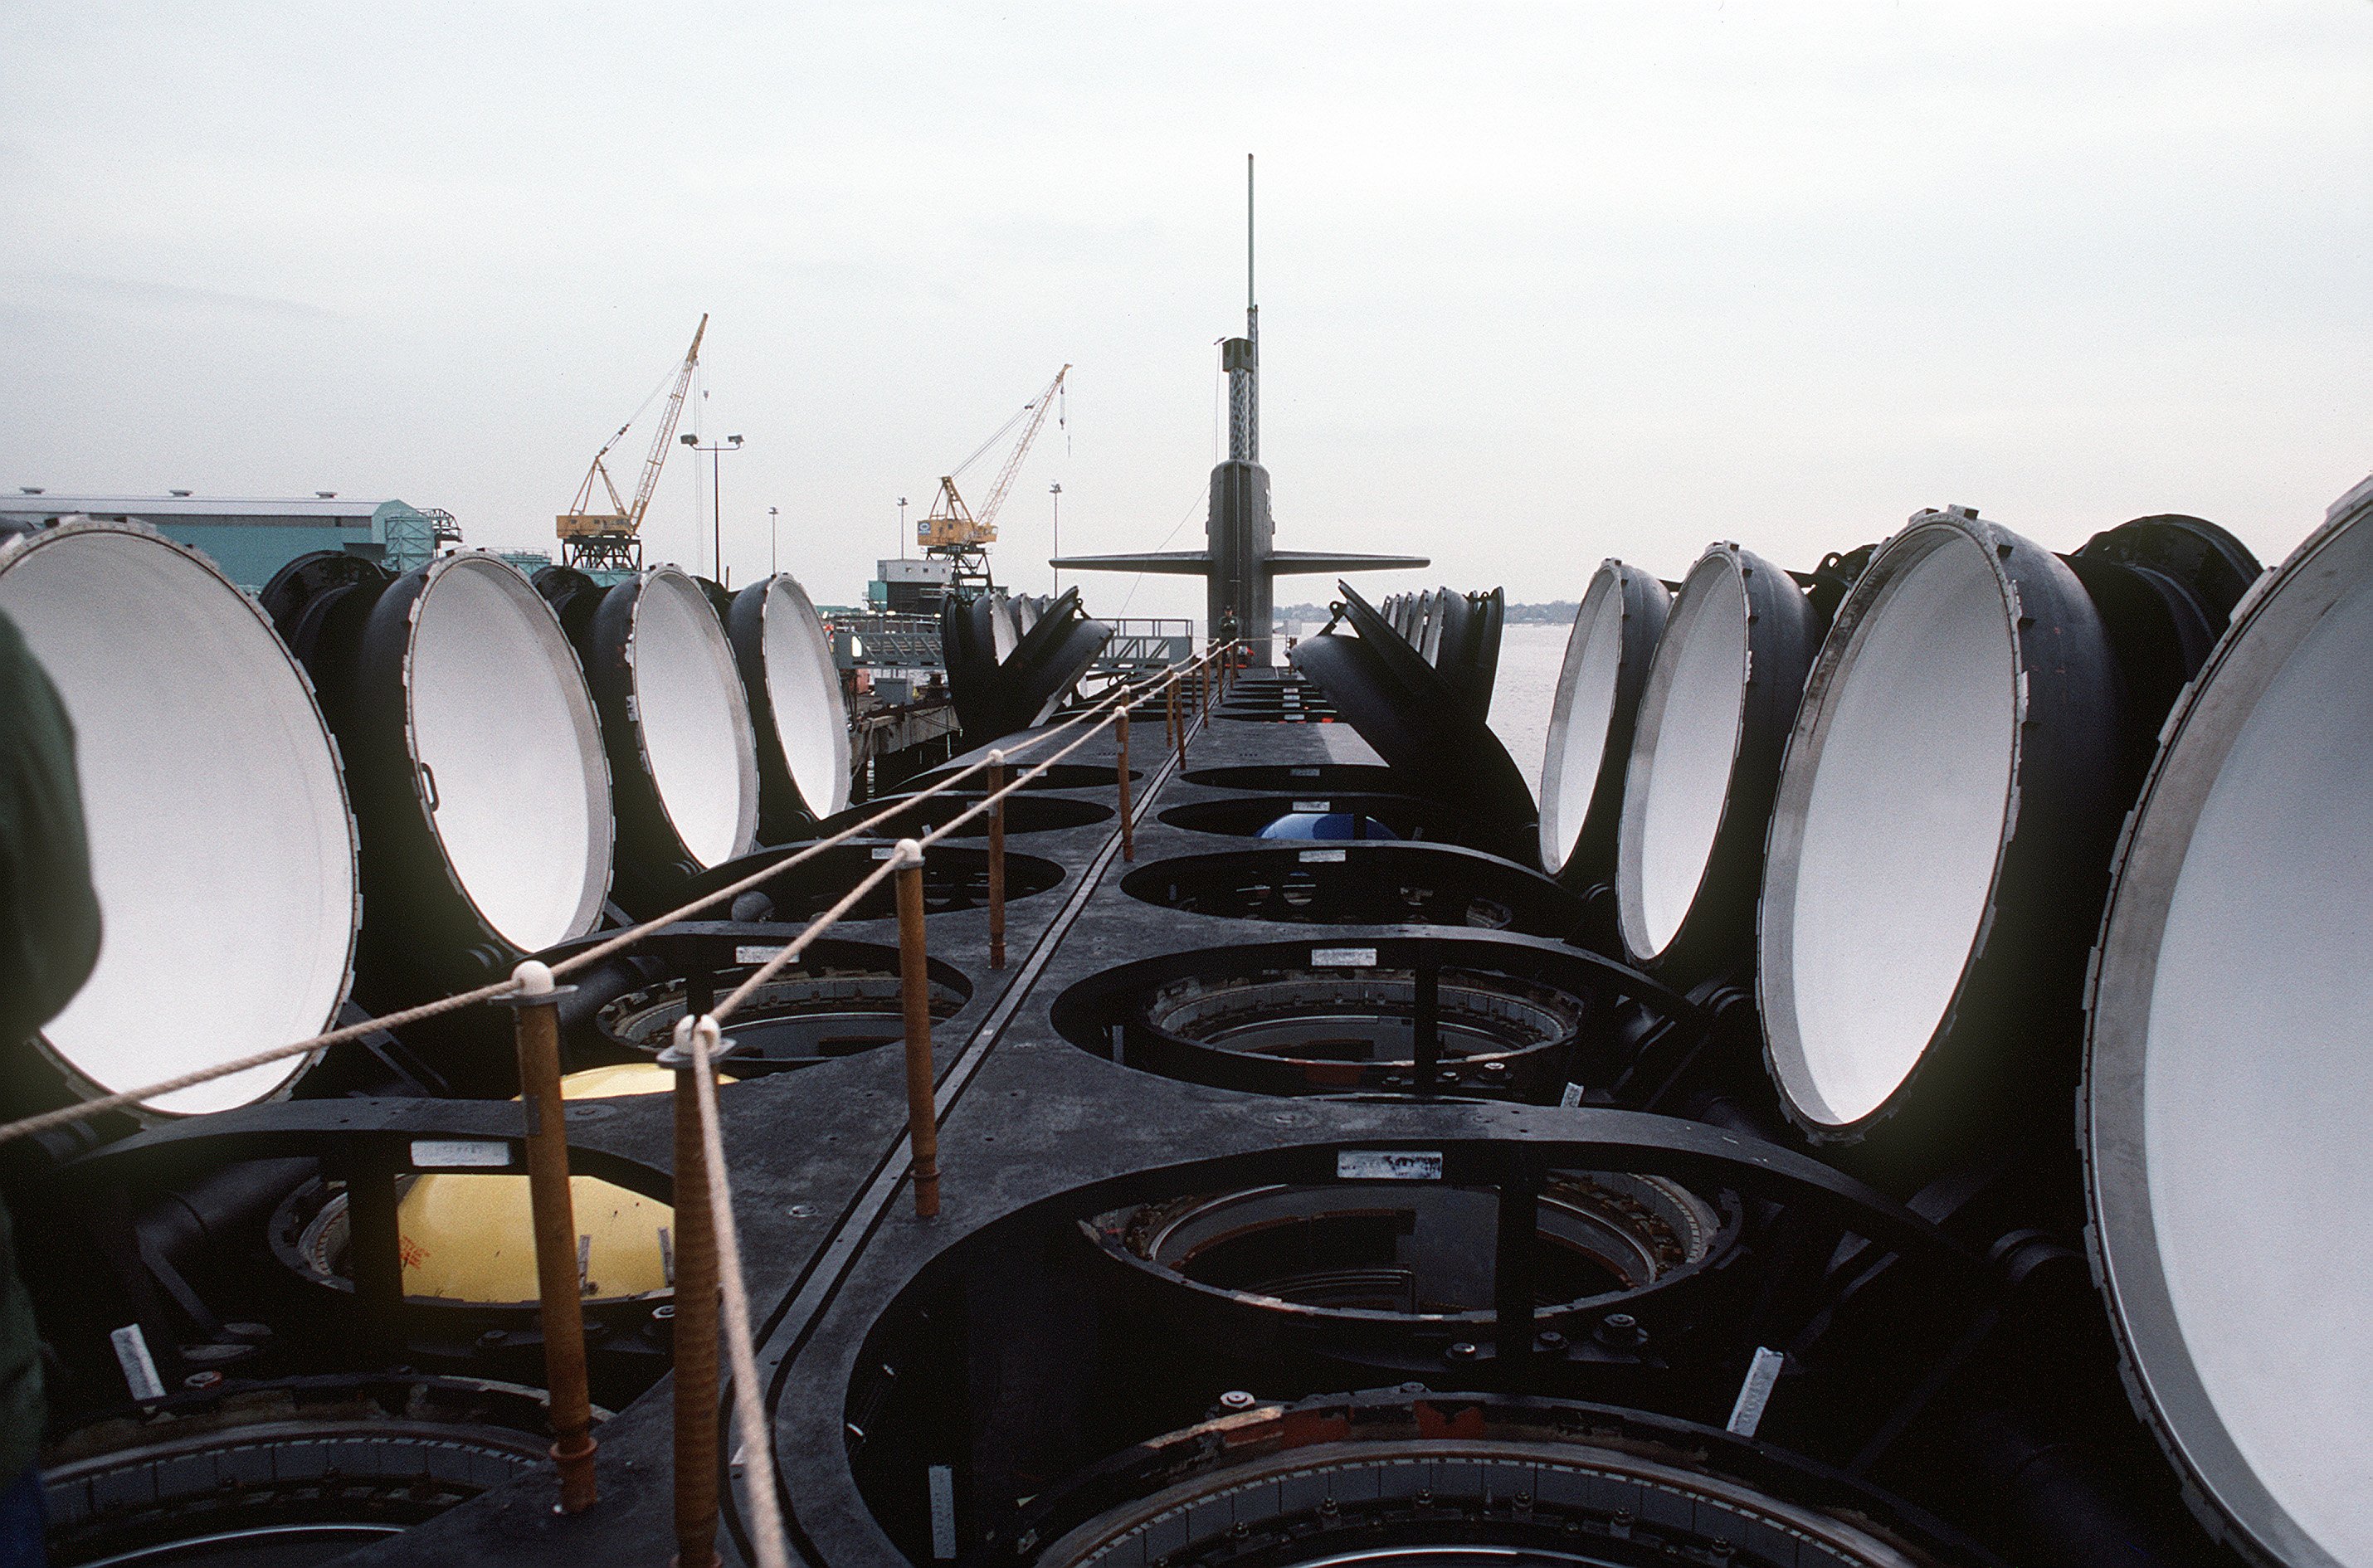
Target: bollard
[(1128, 830), (694, 1278), (559, 1287), (997, 860), (914, 987)]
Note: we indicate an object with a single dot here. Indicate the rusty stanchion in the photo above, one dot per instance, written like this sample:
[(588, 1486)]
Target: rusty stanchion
[(915, 991), (559, 1287), (694, 1278), (997, 860), (1128, 829), (1171, 738)]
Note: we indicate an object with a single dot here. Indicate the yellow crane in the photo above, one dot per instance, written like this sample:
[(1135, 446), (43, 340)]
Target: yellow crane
[(613, 540), (959, 533)]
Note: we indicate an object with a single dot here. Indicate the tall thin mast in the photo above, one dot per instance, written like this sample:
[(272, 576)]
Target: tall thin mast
[(1252, 329), (1240, 356)]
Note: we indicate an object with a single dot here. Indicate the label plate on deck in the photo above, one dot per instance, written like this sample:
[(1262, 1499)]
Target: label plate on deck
[(460, 1155), (943, 1489), (1388, 1165), (1342, 957)]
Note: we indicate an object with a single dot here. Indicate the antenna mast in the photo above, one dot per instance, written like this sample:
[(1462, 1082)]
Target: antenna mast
[(1240, 357)]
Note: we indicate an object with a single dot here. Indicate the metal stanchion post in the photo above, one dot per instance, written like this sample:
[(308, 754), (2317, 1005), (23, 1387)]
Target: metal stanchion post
[(559, 1287), (695, 1277), (914, 985), (374, 1247), (1425, 1061), (1128, 829), (997, 860), (1511, 1270), (1170, 737)]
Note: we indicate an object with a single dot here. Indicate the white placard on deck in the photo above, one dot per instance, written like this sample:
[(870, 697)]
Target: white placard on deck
[(1755, 1392), (1388, 1165), (943, 1512), (139, 1367), (460, 1155)]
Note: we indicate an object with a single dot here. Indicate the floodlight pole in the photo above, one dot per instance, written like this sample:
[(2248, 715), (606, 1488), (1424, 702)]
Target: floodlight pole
[(717, 502)]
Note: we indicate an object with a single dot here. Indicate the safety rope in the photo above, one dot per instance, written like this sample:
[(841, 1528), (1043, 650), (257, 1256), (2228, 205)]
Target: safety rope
[(790, 951), (65, 1116), (748, 1414)]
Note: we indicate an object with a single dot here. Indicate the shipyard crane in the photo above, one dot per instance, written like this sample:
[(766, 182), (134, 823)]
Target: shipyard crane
[(959, 534), (597, 540)]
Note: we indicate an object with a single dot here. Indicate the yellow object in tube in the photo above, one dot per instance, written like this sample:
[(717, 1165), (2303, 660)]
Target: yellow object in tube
[(470, 1237)]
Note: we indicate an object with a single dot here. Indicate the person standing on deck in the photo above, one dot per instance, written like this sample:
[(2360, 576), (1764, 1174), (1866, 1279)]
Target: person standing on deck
[(49, 941)]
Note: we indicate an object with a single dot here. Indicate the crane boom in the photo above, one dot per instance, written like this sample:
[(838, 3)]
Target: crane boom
[(611, 540), (987, 515), (953, 528), (666, 437)]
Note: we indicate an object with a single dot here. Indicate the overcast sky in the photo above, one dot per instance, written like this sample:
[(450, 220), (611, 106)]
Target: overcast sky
[(1538, 285)]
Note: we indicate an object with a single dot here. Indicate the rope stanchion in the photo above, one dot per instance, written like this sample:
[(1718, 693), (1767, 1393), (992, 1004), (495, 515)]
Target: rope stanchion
[(997, 861), (1127, 828), (1172, 737), (375, 1239), (914, 985), (559, 1288), (694, 1278)]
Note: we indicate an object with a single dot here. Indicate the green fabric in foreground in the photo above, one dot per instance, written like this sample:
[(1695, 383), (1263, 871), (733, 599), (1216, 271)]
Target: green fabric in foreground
[(49, 940)]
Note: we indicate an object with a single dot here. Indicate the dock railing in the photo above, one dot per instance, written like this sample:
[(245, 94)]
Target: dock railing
[(1147, 645), (886, 641)]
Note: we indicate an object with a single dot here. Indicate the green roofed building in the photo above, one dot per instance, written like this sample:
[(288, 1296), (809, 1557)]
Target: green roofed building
[(250, 540)]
